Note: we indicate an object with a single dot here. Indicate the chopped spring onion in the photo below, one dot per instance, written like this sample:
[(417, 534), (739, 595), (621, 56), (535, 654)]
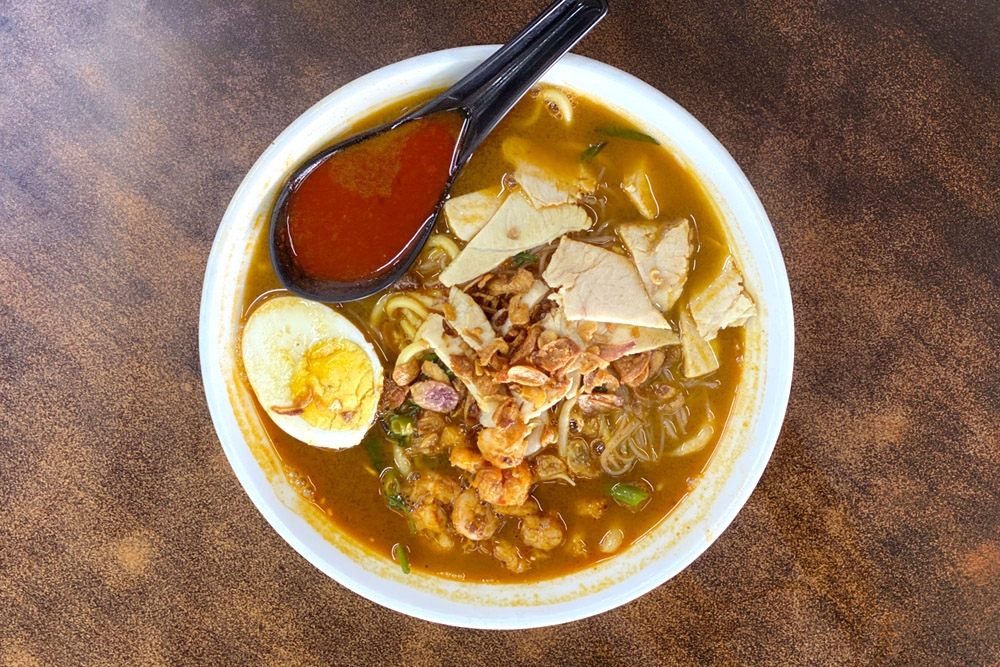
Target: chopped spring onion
[(408, 408), (394, 497), (626, 133), (592, 151), (524, 258), (399, 551), (371, 445), (390, 482), (396, 502), (401, 426), (632, 496)]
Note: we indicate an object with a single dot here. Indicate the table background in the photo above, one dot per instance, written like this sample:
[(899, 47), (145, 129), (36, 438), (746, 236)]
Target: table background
[(872, 135)]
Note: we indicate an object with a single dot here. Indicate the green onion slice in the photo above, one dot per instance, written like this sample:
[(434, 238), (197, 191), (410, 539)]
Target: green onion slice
[(401, 426), (394, 496), (633, 496), (626, 133), (371, 446), (524, 258), (592, 152), (399, 551), (408, 408), (396, 502), (391, 483)]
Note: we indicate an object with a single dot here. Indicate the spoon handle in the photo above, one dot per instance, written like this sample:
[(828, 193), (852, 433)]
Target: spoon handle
[(488, 92)]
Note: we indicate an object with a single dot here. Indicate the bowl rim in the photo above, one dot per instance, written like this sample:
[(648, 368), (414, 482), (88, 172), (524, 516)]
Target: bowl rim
[(774, 392)]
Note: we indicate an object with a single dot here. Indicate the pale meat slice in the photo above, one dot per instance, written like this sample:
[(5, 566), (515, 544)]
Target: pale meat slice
[(530, 299), (544, 180), (699, 357), (432, 331), (662, 257), (448, 348), (638, 188), (599, 285), (724, 303), (586, 334), (467, 214), (516, 227), (468, 319), (543, 190)]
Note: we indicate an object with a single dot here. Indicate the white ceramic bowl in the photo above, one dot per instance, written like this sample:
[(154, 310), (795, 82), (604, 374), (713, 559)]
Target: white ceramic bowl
[(730, 477)]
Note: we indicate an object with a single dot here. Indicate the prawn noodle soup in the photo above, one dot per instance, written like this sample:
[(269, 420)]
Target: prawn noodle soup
[(560, 362)]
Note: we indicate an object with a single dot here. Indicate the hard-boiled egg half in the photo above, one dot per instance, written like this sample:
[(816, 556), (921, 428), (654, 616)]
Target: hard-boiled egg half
[(313, 371)]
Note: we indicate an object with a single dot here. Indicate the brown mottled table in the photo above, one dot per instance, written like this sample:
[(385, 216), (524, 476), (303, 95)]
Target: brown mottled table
[(872, 134)]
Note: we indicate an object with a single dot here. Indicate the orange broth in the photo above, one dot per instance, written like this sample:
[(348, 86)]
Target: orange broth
[(345, 484)]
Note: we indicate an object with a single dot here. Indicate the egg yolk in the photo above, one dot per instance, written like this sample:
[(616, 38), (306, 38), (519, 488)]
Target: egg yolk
[(335, 384)]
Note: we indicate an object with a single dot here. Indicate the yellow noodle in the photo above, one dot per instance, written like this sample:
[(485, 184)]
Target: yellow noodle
[(432, 300), (442, 243), (412, 318), (420, 304), (410, 351), (398, 301), (536, 112), (561, 101)]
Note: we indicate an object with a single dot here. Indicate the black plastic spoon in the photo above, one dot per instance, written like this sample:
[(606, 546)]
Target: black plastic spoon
[(483, 97)]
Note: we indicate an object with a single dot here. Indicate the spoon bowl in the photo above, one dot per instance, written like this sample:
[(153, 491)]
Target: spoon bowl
[(480, 100)]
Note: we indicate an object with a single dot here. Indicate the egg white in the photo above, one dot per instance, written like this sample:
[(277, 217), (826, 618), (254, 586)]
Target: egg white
[(275, 337)]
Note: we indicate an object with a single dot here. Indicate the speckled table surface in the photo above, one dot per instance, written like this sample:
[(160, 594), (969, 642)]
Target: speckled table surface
[(872, 135)]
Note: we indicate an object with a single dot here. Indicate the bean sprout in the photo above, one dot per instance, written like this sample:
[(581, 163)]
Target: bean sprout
[(622, 433), (408, 329), (639, 447), (695, 443), (412, 317), (617, 461), (564, 415), (401, 460), (612, 541)]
